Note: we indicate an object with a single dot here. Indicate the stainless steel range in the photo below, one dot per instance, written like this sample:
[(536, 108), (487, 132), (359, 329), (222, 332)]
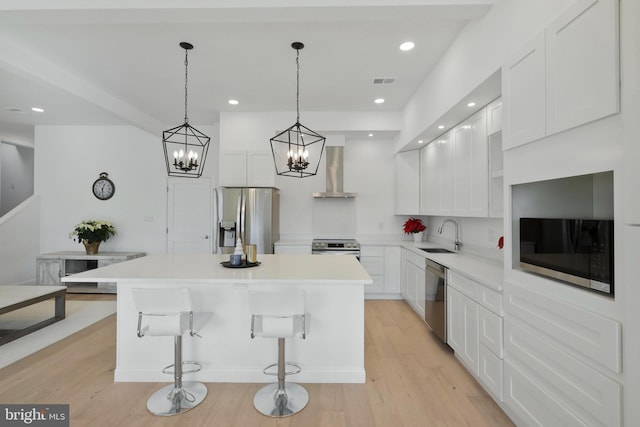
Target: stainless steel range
[(335, 247)]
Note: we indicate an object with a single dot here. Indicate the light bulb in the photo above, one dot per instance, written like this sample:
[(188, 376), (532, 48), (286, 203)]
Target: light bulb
[(195, 156), (175, 154), (181, 154), (306, 154)]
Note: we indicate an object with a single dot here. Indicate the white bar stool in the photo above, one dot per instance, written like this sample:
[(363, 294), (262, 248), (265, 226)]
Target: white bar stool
[(279, 315), (169, 312)]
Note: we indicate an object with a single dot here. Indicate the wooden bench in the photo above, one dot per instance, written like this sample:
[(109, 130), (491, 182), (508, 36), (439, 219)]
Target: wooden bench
[(16, 297)]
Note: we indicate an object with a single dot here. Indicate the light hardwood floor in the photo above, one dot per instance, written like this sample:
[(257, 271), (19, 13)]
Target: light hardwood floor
[(412, 380)]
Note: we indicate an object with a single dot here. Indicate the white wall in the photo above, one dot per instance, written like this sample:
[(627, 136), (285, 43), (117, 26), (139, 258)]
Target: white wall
[(19, 243), (368, 172), (16, 175), (68, 159), (479, 236)]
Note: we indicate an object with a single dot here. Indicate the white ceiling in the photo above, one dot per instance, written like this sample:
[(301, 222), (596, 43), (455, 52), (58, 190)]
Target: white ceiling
[(117, 62)]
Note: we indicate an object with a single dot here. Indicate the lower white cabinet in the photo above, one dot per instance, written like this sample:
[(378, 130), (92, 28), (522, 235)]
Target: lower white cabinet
[(293, 249), (475, 330), (559, 362), (413, 285), (462, 327), (383, 265)]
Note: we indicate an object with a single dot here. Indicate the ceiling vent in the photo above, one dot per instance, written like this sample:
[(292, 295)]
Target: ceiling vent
[(383, 80)]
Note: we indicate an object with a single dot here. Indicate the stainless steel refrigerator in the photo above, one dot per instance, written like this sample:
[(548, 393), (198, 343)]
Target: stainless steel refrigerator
[(251, 213)]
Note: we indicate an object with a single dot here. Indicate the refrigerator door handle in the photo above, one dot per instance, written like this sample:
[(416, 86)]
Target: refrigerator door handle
[(243, 206)]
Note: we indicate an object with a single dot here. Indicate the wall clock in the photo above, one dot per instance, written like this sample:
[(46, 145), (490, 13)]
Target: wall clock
[(103, 187)]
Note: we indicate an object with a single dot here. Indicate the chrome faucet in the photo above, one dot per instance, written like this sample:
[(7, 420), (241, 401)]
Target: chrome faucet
[(456, 242)]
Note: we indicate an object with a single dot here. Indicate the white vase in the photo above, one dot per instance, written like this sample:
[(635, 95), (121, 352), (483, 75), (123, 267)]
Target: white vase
[(417, 237)]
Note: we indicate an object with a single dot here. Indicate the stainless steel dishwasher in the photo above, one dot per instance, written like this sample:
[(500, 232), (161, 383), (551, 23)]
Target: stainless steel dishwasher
[(435, 298)]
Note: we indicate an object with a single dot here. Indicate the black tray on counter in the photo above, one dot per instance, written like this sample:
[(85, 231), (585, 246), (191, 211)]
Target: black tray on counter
[(243, 264)]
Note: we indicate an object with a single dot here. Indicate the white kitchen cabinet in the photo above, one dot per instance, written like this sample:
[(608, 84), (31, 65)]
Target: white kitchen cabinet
[(462, 327), (413, 277), (470, 167), (475, 329), (563, 358), (429, 180), (494, 117), (437, 181), (304, 249), (566, 77), (244, 168), (496, 176), (407, 183), (392, 269), (523, 93), (372, 260), (383, 265), (582, 65)]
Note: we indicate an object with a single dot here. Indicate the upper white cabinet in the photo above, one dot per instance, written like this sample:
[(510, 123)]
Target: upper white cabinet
[(523, 92), (494, 117), (242, 168), (407, 183), (437, 178), (470, 167), (582, 65), (496, 159), (567, 76)]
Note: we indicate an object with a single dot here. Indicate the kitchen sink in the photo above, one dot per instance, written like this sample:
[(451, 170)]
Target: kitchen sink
[(437, 250)]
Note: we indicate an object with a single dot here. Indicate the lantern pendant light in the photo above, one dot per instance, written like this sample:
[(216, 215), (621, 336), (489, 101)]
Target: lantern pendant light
[(297, 150), (185, 147)]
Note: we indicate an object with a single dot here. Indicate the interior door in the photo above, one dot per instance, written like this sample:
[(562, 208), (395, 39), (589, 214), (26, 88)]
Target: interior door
[(189, 216)]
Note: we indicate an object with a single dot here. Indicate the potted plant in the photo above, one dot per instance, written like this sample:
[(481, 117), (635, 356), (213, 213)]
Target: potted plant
[(416, 227), (91, 233)]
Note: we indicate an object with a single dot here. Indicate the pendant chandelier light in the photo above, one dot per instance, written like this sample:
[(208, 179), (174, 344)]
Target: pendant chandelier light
[(185, 147), (297, 150)]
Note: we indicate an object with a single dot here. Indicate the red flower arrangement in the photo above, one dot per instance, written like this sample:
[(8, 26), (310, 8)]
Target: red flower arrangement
[(414, 225)]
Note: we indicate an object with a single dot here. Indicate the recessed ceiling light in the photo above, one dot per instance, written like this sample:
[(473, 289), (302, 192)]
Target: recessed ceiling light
[(471, 104), (233, 102), (441, 127), (37, 110), (379, 100), (370, 134), (420, 141), (407, 46)]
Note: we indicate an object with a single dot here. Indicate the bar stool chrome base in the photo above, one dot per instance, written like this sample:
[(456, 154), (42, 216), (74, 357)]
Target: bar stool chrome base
[(273, 401), (171, 400)]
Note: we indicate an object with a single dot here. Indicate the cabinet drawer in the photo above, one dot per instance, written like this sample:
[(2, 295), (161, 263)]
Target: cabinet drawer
[(491, 372), (466, 286), (373, 265), (491, 331), (491, 300), (371, 251)]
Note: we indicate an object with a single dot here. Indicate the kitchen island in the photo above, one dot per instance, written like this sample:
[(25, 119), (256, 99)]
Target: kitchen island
[(333, 352)]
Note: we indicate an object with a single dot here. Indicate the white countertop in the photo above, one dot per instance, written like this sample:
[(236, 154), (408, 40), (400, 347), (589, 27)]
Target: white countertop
[(487, 272), (309, 269)]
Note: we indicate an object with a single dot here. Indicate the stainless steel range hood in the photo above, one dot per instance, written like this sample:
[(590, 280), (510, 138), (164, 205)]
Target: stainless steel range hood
[(334, 156)]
